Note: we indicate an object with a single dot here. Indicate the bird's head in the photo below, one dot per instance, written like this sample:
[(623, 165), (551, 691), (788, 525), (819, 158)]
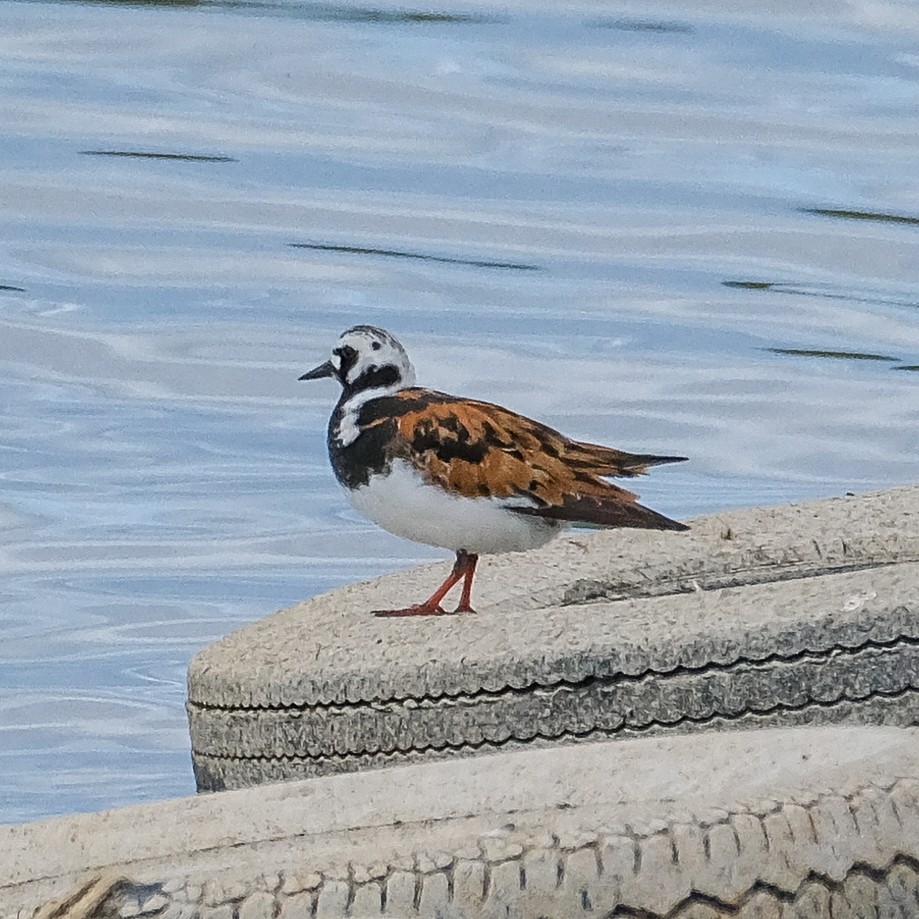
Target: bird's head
[(367, 358)]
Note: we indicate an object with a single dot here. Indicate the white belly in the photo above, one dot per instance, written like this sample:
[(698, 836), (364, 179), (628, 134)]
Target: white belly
[(403, 504)]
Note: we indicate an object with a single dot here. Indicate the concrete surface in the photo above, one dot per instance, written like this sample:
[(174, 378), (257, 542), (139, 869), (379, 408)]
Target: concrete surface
[(818, 822), (802, 614)]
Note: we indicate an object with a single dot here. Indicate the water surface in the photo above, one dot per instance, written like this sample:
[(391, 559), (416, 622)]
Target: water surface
[(692, 230)]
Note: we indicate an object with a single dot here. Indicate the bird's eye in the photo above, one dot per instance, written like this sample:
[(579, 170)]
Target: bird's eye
[(376, 346)]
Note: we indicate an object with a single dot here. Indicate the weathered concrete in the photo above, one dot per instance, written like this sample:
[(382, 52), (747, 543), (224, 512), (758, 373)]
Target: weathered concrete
[(802, 614), (818, 822)]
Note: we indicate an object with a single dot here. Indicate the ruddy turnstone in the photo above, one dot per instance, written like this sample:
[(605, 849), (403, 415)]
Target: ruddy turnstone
[(461, 474)]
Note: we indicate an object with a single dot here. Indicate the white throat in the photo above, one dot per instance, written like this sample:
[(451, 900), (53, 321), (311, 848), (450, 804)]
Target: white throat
[(347, 430)]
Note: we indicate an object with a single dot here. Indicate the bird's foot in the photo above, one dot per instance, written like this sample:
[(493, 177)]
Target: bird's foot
[(464, 608), (419, 609)]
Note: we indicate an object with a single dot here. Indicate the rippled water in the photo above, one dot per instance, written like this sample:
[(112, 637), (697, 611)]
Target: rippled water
[(692, 233)]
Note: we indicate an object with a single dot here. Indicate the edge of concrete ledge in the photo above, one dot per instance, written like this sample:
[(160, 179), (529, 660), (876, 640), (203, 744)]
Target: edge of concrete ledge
[(540, 610), (509, 804)]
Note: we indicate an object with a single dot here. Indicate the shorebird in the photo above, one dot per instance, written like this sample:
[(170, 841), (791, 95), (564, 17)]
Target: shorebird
[(463, 474)]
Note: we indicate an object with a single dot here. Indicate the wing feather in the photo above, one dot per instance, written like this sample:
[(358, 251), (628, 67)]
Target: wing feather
[(609, 461), (478, 449)]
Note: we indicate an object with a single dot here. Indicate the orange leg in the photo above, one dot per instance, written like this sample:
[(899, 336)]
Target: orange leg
[(465, 605), (463, 567)]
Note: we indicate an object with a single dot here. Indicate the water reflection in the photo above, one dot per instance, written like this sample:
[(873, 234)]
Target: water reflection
[(826, 291), (330, 12), (834, 355), (150, 3), (149, 155), (422, 257), (642, 25), (320, 12), (872, 216)]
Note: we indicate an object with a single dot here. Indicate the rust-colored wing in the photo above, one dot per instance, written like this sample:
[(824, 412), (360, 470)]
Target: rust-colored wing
[(477, 449)]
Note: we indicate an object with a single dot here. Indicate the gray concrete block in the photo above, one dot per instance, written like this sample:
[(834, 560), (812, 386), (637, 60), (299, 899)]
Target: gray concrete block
[(401, 890), (502, 888), (184, 911), (260, 905), (903, 884), (333, 901), (297, 906), (760, 906), (434, 897), (469, 879), (796, 822), (226, 911), (859, 895), (807, 615), (368, 900)]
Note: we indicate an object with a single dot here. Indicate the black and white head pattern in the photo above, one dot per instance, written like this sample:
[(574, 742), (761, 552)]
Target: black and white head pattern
[(369, 363), (368, 358)]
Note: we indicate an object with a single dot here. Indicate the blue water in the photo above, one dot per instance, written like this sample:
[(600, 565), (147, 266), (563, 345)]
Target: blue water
[(679, 194)]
